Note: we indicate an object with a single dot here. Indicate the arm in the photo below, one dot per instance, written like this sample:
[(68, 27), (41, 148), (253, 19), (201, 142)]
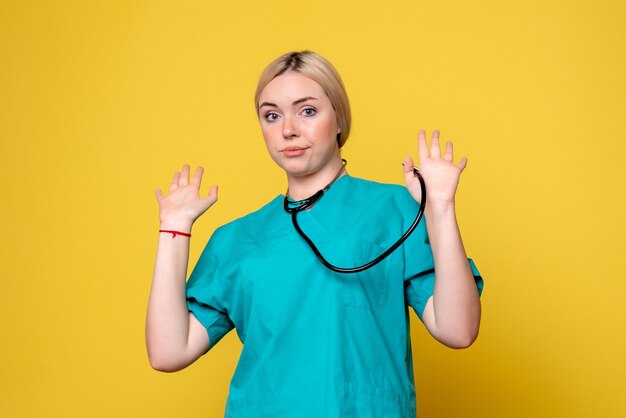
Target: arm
[(452, 314), (174, 337)]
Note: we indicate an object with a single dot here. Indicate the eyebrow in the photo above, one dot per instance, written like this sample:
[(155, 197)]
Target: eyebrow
[(303, 99)]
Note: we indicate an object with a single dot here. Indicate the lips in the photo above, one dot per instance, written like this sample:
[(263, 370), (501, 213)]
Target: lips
[(293, 151), (293, 148)]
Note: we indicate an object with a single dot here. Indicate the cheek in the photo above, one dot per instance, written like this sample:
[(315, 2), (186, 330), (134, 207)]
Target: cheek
[(327, 127), (268, 134), (318, 126)]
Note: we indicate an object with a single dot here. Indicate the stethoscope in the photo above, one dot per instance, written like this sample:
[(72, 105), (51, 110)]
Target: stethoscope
[(303, 204)]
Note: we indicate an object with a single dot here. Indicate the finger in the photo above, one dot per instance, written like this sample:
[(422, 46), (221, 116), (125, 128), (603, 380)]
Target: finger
[(422, 148), (174, 184), (159, 195), (448, 156), (211, 197), (408, 165), (184, 177), (434, 145), (197, 176), (462, 164), (409, 177)]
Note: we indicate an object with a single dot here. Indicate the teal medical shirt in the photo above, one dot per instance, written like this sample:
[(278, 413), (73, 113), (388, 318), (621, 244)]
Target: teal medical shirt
[(318, 343)]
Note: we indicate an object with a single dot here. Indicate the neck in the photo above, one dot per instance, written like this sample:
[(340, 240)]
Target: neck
[(301, 187)]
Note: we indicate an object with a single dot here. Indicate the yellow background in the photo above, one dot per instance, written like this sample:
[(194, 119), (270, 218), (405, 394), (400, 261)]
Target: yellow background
[(101, 102)]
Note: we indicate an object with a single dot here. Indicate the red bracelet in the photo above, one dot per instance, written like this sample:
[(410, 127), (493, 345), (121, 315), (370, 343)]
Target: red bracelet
[(174, 233)]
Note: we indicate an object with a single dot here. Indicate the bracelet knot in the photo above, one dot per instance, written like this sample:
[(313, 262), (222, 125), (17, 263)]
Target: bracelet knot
[(174, 233)]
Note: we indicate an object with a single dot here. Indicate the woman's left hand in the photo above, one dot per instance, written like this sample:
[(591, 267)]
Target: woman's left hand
[(441, 175)]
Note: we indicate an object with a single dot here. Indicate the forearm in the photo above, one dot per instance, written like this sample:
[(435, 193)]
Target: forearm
[(456, 304), (167, 321)]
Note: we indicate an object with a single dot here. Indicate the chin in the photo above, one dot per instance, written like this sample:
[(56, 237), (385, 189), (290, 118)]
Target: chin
[(297, 171), (295, 166)]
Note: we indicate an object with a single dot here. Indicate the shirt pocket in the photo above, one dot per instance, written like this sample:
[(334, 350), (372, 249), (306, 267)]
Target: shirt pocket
[(367, 289)]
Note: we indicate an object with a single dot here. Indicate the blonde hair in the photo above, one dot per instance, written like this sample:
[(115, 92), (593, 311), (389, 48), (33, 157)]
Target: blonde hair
[(319, 69)]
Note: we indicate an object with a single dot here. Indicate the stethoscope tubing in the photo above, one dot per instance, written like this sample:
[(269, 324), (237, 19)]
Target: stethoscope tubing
[(311, 200)]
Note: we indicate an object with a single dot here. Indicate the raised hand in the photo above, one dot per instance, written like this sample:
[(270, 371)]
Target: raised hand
[(183, 205), (441, 175)]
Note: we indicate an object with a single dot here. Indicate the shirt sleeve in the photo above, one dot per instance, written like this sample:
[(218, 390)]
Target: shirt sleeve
[(207, 290), (419, 265)]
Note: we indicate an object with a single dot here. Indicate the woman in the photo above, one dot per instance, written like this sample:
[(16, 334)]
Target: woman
[(315, 342)]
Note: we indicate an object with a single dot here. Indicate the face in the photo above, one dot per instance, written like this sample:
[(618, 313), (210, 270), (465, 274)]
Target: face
[(299, 125)]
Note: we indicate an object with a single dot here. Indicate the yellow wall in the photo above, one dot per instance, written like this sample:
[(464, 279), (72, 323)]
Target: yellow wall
[(101, 103)]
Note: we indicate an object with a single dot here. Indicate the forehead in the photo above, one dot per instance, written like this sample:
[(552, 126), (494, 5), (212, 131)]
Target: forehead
[(291, 86)]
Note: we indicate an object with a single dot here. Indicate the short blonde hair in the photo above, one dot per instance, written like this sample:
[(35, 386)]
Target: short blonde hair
[(319, 69)]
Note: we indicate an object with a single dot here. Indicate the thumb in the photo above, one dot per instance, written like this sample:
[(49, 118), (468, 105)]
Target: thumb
[(408, 165), (411, 179), (159, 194), (212, 195)]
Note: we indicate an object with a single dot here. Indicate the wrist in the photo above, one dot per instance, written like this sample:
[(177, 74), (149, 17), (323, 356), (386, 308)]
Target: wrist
[(439, 207), (180, 226)]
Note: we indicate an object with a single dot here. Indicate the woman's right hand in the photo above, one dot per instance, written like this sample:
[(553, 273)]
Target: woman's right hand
[(183, 205)]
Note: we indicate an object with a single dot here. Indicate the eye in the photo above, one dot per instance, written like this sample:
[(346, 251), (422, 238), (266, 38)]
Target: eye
[(271, 116), (309, 111)]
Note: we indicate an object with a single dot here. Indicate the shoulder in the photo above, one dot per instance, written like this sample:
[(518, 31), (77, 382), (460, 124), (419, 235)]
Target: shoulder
[(371, 190), (383, 202), (238, 229)]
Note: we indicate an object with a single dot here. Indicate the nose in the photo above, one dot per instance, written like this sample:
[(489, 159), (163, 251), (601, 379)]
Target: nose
[(290, 127)]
